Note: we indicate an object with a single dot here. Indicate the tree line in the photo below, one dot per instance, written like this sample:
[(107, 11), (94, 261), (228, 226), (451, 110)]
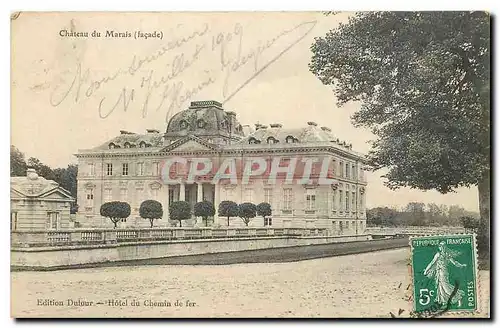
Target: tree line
[(420, 214), (66, 177), (181, 210)]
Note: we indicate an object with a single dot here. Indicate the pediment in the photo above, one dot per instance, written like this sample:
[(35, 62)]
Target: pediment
[(57, 193), (190, 144), (16, 194)]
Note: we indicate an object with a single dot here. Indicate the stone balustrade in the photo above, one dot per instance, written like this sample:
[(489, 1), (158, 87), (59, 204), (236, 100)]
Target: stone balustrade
[(413, 230), (110, 236)]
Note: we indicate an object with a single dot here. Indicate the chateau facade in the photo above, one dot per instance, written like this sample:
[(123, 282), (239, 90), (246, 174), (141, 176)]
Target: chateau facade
[(135, 167)]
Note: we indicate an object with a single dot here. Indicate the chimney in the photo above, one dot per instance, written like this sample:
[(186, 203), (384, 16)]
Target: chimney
[(324, 128), (257, 126), (150, 131), (276, 125), (125, 132), (312, 123)]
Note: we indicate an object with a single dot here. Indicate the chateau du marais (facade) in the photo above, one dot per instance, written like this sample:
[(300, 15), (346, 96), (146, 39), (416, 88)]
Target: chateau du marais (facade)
[(310, 178)]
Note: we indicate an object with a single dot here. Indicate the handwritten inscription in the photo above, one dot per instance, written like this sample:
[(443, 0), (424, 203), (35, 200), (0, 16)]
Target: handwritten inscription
[(157, 81)]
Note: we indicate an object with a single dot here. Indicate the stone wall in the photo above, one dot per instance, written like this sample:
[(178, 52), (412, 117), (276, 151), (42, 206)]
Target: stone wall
[(75, 256)]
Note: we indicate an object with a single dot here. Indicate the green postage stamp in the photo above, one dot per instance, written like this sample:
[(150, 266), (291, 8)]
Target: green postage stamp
[(444, 273)]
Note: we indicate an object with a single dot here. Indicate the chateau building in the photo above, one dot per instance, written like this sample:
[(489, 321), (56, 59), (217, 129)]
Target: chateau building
[(135, 167)]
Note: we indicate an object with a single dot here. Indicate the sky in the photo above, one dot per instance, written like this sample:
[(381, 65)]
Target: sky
[(77, 92)]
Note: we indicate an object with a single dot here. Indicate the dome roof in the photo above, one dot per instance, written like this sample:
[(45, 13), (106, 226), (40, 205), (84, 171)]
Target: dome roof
[(204, 119)]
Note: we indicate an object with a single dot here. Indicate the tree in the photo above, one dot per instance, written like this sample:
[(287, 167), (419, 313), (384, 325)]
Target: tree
[(41, 169), (180, 210), (151, 209), (423, 81), (381, 216), (67, 179), (469, 223), (115, 211), (247, 211), (228, 209), (18, 164), (264, 209), (204, 210)]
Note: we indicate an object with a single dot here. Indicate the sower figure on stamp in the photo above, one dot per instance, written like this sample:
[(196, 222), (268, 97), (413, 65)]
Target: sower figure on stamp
[(437, 269)]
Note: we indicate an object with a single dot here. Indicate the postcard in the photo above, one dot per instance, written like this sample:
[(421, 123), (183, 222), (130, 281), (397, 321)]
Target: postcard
[(250, 165)]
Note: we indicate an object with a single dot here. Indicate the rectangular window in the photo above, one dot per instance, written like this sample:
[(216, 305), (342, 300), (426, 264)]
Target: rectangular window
[(361, 202), (156, 168), (124, 195), (109, 169), (347, 200), (13, 221), (140, 169), (268, 221), (91, 169), (268, 196), (170, 196), (248, 195), (53, 220), (334, 199), (310, 199), (341, 169), (125, 169), (353, 172), (287, 199), (90, 198), (353, 201), (108, 195), (347, 175), (347, 224), (154, 194), (341, 194)]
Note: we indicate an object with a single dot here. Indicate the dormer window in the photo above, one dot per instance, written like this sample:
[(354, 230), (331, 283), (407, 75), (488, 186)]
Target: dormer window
[(126, 145), (253, 141), (272, 140), (201, 123), (291, 139), (112, 146), (183, 124), (142, 144)]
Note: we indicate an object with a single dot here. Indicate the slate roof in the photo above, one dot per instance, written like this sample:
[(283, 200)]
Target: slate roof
[(134, 140)]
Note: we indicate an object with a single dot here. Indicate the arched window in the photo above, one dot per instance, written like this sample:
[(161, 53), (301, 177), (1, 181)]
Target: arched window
[(126, 145), (201, 123), (272, 140), (253, 141), (142, 144), (112, 146), (183, 124), (290, 139)]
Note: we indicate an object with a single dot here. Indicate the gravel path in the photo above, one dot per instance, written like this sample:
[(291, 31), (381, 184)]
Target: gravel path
[(361, 285)]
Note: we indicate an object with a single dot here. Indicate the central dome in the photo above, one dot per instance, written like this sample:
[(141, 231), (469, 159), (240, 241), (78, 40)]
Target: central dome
[(205, 119)]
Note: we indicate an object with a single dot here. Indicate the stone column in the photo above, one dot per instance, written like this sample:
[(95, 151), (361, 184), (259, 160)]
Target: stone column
[(182, 191), (199, 192), (199, 198), (216, 203), (166, 204)]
